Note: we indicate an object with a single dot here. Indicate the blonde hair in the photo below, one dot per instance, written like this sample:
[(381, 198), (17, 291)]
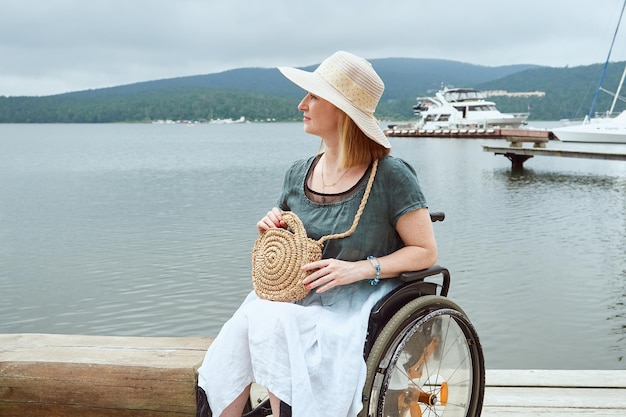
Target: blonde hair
[(356, 148)]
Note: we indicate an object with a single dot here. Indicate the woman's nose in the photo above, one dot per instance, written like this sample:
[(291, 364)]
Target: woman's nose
[(303, 103)]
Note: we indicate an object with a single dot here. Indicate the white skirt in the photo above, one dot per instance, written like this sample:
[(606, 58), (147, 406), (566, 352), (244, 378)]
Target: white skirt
[(309, 354)]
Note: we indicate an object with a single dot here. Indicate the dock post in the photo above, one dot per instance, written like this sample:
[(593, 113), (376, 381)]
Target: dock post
[(517, 161)]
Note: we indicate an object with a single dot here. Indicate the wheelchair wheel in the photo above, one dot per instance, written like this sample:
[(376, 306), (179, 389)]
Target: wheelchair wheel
[(426, 361)]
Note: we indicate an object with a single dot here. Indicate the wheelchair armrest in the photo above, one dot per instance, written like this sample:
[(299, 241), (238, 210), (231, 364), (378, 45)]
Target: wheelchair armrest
[(413, 285), (437, 216), (424, 273)]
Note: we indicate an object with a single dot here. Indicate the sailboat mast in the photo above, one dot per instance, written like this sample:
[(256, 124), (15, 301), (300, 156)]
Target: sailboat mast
[(619, 88), (595, 96)]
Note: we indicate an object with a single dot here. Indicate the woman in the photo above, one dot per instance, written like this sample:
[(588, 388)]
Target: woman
[(309, 354)]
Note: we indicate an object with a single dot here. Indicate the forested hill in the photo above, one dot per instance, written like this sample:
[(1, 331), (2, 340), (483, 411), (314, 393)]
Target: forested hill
[(264, 94)]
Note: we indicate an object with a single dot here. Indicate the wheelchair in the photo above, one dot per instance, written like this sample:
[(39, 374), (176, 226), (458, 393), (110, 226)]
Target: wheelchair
[(423, 355)]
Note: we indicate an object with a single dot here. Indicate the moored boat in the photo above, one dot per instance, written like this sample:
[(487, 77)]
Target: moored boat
[(597, 130), (458, 108), (606, 129)]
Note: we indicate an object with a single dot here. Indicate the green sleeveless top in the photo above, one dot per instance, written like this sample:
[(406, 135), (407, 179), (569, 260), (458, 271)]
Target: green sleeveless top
[(395, 191)]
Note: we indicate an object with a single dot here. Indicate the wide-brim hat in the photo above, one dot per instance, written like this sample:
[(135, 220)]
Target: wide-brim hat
[(351, 84)]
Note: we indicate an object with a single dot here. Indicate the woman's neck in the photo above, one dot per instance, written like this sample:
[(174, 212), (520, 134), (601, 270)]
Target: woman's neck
[(329, 177), (331, 155)]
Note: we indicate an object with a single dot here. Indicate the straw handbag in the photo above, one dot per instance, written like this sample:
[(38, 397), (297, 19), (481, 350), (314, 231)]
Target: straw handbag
[(278, 254)]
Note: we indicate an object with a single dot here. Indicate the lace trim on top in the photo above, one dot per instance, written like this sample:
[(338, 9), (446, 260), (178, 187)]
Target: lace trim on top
[(322, 198)]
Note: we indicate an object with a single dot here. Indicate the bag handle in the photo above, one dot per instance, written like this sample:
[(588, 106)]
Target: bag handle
[(359, 211), (294, 224)]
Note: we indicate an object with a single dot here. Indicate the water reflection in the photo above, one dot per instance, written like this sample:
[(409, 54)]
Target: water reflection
[(616, 305), (529, 177), (616, 302)]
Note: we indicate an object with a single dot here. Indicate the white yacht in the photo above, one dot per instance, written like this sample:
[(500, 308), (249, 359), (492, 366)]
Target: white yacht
[(459, 108)]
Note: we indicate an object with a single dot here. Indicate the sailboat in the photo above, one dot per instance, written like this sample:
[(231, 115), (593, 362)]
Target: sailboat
[(606, 129), (598, 130)]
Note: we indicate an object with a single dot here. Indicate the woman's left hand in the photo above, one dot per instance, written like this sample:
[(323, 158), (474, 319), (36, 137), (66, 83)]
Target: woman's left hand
[(329, 273)]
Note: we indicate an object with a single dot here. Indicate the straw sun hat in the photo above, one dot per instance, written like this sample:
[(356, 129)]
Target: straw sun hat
[(351, 84)]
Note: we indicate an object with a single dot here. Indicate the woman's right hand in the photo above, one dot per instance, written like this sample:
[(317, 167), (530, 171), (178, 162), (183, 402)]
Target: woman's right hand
[(273, 218)]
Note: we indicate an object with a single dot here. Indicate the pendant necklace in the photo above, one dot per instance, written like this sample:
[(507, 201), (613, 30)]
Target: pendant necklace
[(324, 185)]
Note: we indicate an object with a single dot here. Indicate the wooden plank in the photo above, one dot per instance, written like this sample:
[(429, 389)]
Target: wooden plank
[(162, 351), (21, 341), (555, 393), (585, 398), (527, 135), (530, 411), (515, 135), (556, 378), (47, 410), (87, 387), (498, 150), (66, 375)]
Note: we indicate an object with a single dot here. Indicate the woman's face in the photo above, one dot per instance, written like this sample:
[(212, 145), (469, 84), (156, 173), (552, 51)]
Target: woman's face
[(320, 117)]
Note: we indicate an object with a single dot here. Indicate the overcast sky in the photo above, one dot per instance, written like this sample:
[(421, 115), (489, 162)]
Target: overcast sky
[(55, 46)]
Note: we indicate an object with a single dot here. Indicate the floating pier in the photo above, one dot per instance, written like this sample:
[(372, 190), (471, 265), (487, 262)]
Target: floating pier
[(109, 376), (475, 133), (518, 154)]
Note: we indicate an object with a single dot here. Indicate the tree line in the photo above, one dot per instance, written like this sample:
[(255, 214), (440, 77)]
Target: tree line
[(568, 94), (197, 104)]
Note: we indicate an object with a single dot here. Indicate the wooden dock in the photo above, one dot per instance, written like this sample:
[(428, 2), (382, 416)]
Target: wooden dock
[(476, 133), (102, 376), (98, 376), (519, 154), (555, 393)]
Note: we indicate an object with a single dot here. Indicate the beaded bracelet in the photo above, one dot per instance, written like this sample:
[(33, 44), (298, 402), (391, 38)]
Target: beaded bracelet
[(375, 264)]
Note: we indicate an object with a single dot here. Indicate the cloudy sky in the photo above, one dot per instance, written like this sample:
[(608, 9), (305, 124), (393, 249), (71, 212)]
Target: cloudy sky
[(55, 46)]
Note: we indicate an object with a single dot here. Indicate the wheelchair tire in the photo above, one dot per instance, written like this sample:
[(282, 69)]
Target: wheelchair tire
[(426, 361)]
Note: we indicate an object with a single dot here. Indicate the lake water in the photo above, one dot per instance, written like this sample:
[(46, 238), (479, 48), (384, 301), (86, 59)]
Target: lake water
[(146, 230)]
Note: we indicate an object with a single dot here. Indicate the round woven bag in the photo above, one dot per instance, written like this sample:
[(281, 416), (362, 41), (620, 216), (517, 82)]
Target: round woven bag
[(279, 254), (277, 257)]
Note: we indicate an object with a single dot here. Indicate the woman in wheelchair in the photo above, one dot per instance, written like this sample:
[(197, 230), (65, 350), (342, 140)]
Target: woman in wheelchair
[(309, 353)]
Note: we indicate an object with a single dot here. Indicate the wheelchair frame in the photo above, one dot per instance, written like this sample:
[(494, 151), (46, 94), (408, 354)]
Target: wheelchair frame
[(424, 340), (417, 336)]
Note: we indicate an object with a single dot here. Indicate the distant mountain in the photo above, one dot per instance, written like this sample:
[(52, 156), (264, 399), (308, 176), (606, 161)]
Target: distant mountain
[(412, 77), (264, 94), (405, 77)]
